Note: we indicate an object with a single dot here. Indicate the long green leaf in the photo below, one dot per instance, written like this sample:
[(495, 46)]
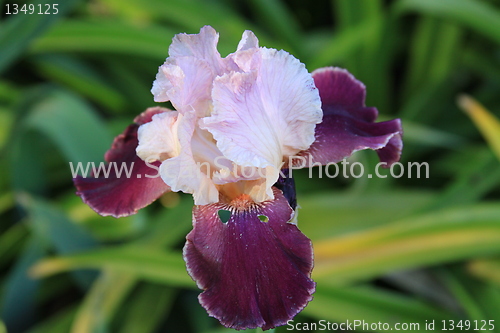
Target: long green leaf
[(106, 37), (72, 125), (437, 237), (154, 265), (101, 302), (80, 77), (58, 323), (11, 241), (19, 303), (370, 305), (487, 269), (343, 44), (276, 16), (152, 303), (330, 214), (52, 226), (477, 15), (487, 123), (191, 15)]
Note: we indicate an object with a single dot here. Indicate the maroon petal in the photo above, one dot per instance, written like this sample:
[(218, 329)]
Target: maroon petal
[(119, 195), (348, 125), (254, 273)]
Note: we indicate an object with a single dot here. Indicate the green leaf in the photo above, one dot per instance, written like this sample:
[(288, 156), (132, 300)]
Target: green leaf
[(477, 15), (81, 78), (72, 125), (370, 305), (343, 44), (52, 226), (190, 16), (6, 121), (18, 304), (105, 36), (151, 304), (433, 54), (11, 241), (477, 176), (459, 287), (434, 238), (488, 124), (487, 269), (55, 228), (355, 212), (102, 301), (153, 265), (17, 33), (275, 15), (431, 137), (58, 323)]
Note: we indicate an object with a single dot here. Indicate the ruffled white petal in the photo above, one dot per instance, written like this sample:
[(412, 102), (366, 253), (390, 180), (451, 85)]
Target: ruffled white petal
[(262, 116), (183, 172), (160, 87), (190, 85), (158, 138), (239, 117), (248, 41), (202, 46)]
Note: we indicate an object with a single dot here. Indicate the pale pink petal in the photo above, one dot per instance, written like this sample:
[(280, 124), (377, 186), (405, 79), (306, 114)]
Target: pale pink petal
[(158, 138), (261, 116), (183, 172), (248, 41), (191, 85), (202, 46)]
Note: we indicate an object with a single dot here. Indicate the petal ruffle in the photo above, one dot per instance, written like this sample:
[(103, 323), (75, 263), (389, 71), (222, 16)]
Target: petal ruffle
[(348, 125), (119, 195), (202, 46), (254, 273), (183, 172), (262, 116), (158, 137)]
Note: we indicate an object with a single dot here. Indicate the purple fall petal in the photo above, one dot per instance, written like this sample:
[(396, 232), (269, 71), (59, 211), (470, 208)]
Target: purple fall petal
[(253, 273), (348, 125), (122, 196)]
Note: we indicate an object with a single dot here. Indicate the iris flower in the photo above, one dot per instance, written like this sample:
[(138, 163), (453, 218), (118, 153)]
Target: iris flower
[(240, 123)]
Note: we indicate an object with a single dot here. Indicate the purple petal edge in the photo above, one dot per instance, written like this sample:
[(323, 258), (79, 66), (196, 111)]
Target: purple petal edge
[(253, 273), (122, 196), (348, 125)]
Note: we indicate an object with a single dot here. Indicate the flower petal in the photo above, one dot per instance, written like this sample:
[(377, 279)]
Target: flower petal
[(117, 195), (183, 172), (348, 125), (248, 41), (263, 115), (254, 273), (158, 137), (201, 46), (286, 184)]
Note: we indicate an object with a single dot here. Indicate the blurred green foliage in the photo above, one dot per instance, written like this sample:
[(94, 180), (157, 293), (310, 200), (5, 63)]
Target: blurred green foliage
[(391, 250)]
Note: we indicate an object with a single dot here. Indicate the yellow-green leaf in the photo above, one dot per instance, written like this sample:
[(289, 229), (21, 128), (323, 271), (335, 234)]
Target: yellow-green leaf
[(438, 237), (488, 124)]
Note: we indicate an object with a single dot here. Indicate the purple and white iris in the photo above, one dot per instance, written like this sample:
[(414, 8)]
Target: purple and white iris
[(238, 123)]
